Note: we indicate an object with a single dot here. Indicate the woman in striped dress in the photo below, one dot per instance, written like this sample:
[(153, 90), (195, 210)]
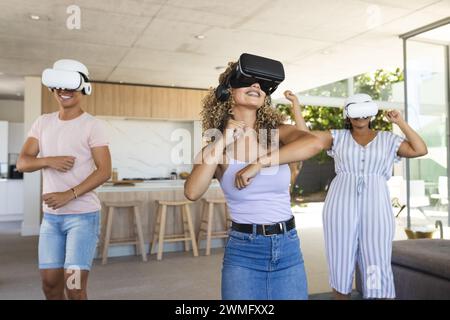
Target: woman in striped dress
[(358, 220)]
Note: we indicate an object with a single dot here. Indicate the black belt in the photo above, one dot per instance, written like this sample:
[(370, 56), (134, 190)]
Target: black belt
[(265, 229)]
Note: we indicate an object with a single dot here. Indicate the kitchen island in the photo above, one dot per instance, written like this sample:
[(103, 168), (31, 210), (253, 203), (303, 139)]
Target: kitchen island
[(148, 192)]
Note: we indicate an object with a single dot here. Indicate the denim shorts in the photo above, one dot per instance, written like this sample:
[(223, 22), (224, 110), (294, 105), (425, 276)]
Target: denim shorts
[(258, 267), (68, 241)]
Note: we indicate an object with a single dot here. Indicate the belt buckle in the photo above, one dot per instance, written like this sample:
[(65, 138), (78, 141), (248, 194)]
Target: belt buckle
[(264, 230)]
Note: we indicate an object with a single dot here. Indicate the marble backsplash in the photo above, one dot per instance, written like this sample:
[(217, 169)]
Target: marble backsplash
[(145, 148)]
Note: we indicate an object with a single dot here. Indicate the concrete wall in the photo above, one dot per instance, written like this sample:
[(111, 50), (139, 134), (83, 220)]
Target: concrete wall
[(32, 181), (11, 110)]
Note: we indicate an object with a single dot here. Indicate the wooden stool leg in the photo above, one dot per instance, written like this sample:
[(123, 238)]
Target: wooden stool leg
[(209, 230), (162, 230), (185, 229), (155, 228), (191, 229), (109, 221), (202, 230), (140, 241), (137, 246)]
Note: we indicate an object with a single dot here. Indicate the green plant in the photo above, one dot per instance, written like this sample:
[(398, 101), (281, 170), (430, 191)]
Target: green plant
[(379, 84)]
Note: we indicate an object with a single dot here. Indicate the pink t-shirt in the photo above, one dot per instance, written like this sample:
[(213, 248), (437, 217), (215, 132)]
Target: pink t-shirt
[(73, 138)]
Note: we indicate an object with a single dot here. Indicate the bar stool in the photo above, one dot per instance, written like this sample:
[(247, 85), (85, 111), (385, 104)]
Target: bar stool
[(138, 239), (208, 221), (159, 231)]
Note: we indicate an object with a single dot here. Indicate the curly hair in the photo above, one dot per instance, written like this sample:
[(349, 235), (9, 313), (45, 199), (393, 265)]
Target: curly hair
[(215, 114)]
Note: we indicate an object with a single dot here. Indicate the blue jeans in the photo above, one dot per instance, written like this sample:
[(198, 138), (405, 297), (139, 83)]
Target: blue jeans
[(68, 241), (256, 267)]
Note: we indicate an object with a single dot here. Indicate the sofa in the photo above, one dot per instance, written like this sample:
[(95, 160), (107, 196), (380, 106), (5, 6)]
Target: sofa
[(421, 269)]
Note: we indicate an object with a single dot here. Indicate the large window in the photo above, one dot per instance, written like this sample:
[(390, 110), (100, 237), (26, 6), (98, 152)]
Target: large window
[(427, 71)]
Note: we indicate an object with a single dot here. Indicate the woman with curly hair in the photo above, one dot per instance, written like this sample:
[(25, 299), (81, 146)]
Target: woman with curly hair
[(262, 257)]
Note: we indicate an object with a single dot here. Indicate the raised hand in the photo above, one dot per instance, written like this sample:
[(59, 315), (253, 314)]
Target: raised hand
[(394, 116), (234, 130), (291, 97)]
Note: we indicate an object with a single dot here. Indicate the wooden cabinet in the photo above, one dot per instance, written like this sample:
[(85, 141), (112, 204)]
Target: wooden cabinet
[(177, 103), (136, 101)]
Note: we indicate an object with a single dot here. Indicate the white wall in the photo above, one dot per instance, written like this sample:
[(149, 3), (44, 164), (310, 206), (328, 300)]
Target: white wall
[(12, 110), (15, 137), (3, 141), (143, 149)]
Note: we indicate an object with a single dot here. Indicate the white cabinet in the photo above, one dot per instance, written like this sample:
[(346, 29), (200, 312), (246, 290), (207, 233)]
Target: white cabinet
[(11, 200), (3, 197), (3, 142), (15, 197)]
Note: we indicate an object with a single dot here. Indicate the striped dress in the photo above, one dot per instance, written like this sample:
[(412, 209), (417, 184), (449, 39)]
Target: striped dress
[(358, 220)]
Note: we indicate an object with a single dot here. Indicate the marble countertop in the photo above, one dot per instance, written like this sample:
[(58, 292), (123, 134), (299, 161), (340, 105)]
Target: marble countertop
[(156, 185)]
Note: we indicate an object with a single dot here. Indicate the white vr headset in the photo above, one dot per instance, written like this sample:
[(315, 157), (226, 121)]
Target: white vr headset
[(67, 74), (360, 106)]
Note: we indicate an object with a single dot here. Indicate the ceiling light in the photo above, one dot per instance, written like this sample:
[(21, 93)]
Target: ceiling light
[(200, 36), (325, 51), (34, 17), (1, 73)]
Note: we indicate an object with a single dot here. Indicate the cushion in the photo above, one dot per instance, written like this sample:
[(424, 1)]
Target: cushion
[(430, 256)]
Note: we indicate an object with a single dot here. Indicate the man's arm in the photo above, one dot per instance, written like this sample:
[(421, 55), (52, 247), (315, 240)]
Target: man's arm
[(29, 162), (102, 160)]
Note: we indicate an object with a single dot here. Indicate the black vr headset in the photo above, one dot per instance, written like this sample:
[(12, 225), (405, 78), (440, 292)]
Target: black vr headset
[(252, 69)]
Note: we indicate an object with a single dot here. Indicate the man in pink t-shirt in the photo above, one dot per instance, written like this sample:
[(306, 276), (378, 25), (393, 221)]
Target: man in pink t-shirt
[(71, 149)]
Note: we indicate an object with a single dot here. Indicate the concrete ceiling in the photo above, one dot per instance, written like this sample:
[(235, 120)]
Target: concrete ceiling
[(153, 41)]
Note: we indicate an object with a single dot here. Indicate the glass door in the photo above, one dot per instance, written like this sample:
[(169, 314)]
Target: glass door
[(427, 72)]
